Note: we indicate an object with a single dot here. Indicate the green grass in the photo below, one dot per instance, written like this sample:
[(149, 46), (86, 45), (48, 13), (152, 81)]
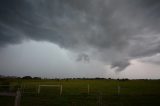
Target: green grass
[(102, 93)]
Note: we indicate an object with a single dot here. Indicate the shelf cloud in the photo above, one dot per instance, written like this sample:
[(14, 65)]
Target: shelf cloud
[(111, 31)]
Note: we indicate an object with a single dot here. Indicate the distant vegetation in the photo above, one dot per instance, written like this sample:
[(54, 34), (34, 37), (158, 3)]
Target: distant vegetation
[(39, 78)]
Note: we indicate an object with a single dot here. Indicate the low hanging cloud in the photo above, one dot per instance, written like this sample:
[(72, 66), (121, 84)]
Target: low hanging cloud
[(83, 57), (111, 31), (152, 59)]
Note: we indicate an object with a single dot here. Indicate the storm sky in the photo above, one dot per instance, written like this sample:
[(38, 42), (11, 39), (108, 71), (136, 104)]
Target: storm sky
[(80, 38)]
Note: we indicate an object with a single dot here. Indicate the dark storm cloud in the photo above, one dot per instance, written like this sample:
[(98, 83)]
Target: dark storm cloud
[(152, 59), (109, 30), (83, 57), (120, 65)]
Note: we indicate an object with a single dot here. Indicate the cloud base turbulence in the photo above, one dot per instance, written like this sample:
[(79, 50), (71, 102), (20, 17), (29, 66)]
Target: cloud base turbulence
[(109, 31)]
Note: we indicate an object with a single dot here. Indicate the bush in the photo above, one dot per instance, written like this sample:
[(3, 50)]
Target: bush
[(27, 77)]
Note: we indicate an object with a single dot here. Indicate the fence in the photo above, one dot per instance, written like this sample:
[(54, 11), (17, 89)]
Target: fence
[(88, 89), (61, 87), (17, 96)]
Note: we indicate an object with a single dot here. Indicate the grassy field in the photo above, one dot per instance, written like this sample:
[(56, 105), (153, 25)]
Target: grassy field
[(75, 93)]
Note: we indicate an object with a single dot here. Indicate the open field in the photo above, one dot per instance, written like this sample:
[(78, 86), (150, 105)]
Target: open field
[(75, 93)]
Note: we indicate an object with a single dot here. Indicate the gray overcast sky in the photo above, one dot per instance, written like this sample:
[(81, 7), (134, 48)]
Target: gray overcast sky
[(75, 38)]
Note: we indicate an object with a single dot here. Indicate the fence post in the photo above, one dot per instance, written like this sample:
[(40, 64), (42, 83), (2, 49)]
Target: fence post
[(61, 90), (119, 90), (38, 89), (18, 98), (88, 89)]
